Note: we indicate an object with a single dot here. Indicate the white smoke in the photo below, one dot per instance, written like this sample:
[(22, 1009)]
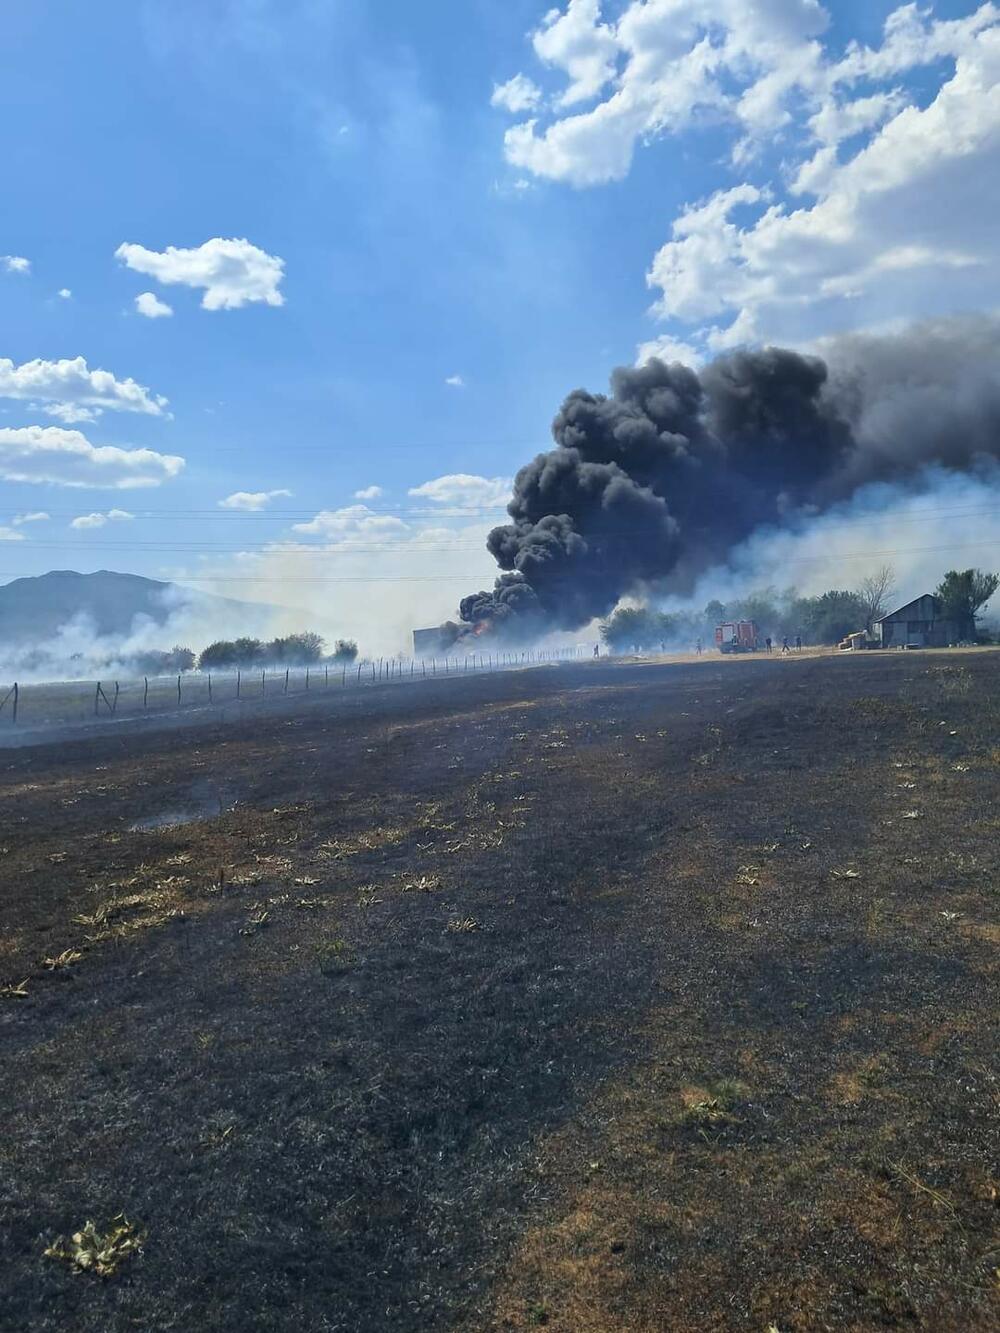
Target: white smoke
[(938, 520), (76, 651)]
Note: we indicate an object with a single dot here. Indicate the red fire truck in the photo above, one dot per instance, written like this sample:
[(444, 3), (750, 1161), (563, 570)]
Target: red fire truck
[(737, 636)]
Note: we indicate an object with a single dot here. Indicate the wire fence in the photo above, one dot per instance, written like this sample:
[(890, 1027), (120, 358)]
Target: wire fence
[(75, 702)]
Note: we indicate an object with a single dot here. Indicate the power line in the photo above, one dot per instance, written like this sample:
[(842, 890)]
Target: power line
[(441, 507), (416, 546), (280, 515), (467, 578)]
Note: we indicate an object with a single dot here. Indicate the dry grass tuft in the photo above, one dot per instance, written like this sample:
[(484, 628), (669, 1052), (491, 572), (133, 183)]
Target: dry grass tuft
[(62, 960), (87, 1251)]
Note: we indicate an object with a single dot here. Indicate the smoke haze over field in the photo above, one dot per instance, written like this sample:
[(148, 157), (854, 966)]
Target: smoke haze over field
[(943, 519), (656, 483), (64, 625)]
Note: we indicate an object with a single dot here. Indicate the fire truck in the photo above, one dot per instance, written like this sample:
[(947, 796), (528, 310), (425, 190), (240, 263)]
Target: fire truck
[(737, 636)]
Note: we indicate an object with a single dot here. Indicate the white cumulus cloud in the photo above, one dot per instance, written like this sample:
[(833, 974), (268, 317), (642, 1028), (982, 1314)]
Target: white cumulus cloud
[(15, 264), (64, 294), (72, 391), (455, 382), (658, 66), (369, 493), (902, 228), (466, 491), (578, 43), (516, 95), (231, 273), (885, 201), (84, 521), (150, 305), (251, 501), (11, 535), (67, 458), (669, 349), (353, 525), (36, 516)]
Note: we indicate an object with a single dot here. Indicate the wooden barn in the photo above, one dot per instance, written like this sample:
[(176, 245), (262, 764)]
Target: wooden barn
[(920, 624)]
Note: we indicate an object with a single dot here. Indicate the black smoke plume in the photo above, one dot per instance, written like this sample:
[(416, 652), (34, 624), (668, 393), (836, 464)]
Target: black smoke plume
[(662, 477)]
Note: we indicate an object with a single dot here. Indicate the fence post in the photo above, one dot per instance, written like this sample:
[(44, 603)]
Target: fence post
[(12, 694), (178, 691), (145, 691), (114, 706), (210, 687), (343, 676), (373, 670), (423, 666), (239, 682), (97, 698), (262, 676), (307, 678), (359, 672)]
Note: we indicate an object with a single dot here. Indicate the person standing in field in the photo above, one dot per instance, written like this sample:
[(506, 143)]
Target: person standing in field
[(767, 643), (698, 647), (798, 643), (784, 645)]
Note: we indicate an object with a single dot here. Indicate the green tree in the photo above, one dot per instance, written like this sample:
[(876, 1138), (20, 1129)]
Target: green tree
[(963, 593), (345, 651), (633, 627), (180, 659), (828, 618), (295, 649), (760, 606), (218, 656), (248, 652)]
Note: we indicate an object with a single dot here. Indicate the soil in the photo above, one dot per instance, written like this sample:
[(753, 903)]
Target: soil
[(599, 997)]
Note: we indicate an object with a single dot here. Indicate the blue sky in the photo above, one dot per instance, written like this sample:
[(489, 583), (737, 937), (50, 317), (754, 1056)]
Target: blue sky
[(357, 144)]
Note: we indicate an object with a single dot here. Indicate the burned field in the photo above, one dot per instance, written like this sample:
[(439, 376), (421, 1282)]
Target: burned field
[(594, 998)]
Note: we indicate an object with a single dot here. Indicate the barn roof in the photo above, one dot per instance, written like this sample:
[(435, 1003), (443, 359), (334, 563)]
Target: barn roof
[(908, 606)]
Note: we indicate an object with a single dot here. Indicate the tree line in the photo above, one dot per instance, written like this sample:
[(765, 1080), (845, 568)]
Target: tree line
[(299, 650), (822, 620)]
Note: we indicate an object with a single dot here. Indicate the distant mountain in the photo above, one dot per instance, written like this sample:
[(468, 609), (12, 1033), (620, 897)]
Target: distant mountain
[(34, 609)]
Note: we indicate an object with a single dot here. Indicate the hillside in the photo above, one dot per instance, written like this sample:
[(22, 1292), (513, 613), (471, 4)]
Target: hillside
[(34, 609)]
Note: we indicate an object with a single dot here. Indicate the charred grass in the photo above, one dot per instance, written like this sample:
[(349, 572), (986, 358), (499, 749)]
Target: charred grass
[(612, 999)]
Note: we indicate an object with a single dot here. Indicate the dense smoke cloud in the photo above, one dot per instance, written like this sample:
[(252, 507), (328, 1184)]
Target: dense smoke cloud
[(660, 479)]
